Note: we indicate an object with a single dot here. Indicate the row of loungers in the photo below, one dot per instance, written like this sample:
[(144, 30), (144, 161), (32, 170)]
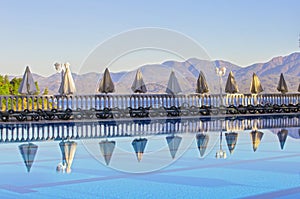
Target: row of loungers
[(143, 112)]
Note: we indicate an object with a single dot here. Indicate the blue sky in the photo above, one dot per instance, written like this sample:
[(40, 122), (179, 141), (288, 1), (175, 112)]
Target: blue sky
[(38, 33)]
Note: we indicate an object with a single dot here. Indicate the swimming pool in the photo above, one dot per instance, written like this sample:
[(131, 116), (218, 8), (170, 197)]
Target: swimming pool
[(269, 170)]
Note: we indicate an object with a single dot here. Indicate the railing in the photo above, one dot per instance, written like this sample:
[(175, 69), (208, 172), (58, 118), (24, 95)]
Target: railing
[(100, 101)]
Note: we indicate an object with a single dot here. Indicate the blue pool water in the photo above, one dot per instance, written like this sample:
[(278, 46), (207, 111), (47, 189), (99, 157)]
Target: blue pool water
[(269, 172)]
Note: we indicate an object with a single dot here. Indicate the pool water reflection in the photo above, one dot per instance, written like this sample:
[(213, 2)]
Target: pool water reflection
[(250, 157)]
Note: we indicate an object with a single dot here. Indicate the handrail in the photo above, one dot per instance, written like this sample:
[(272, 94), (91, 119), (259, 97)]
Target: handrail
[(100, 101)]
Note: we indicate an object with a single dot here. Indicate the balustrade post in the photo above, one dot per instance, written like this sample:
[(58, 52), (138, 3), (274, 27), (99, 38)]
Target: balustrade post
[(32, 102), (47, 103), (54, 100), (104, 101), (17, 103), (69, 102), (123, 102), (42, 99), (93, 99), (84, 102), (6, 100), (200, 100), (80, 102), (97, 102), (76, 102), (162, 100)]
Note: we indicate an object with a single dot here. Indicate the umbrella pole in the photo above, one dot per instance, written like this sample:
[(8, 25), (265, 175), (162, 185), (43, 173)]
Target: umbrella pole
[(221, 137)]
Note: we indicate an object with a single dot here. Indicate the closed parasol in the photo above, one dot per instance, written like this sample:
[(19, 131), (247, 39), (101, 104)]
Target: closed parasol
[(202, 86), (231, 85), (173, 87), (138, 85), (27, 85), (106, 84), (67, 85), (255, 87), (282, 86)]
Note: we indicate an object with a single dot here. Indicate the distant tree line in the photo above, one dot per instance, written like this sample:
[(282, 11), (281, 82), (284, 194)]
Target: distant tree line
[(11, 87)]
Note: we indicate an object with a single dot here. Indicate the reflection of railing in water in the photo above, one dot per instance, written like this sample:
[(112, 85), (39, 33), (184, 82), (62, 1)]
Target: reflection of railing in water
[(86, 102), (23, 132), (173, 131)]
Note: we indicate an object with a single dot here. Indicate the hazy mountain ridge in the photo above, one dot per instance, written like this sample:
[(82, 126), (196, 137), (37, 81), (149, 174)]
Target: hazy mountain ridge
[(287, 65), (269, 73), (156, 75)]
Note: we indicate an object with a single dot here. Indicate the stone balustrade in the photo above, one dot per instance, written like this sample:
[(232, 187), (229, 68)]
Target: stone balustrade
[(123, 101)]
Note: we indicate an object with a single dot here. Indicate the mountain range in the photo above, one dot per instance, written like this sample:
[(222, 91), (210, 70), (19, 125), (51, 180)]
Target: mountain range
[(156, 76)]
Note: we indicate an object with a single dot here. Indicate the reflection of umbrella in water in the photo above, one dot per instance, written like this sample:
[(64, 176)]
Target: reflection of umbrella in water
[(27, 85), (231, 139), (282, 135), (173, 87), (138, 85), (67, 85), (28, 152), (106, 84), (107, 149), (139, 146), (202, 141), (202, 86), (173, 143), (255, 87), (68, 150), (221, 154), (256, 137), (282, 87), (231, 85)]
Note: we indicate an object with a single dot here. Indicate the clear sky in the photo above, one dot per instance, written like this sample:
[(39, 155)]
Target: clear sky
[(38, 33)]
